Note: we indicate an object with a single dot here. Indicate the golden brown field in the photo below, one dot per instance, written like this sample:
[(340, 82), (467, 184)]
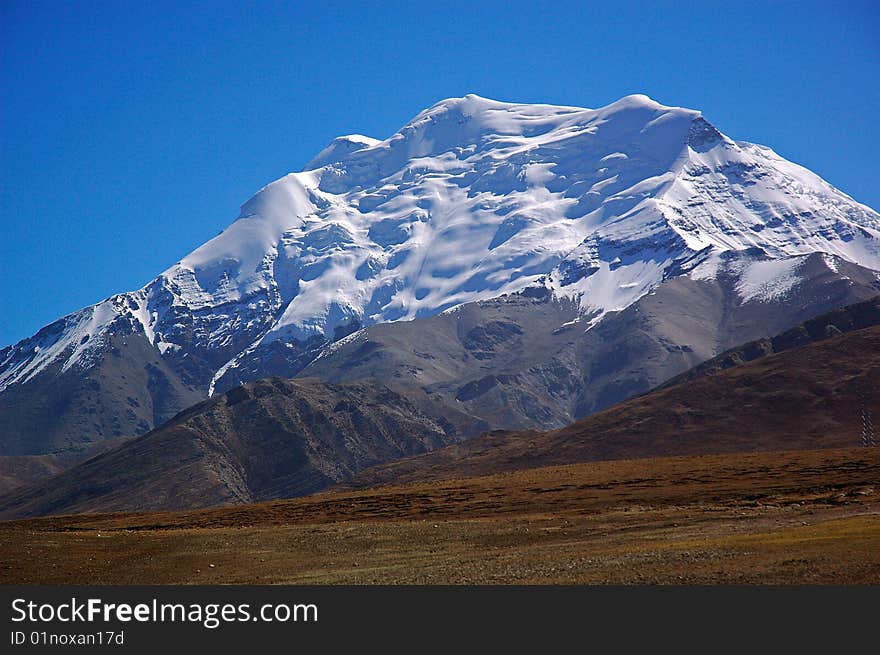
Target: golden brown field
[(794, 517)]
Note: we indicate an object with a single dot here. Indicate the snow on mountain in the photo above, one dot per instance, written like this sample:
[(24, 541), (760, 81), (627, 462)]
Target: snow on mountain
[(470, 200), (339, 148)]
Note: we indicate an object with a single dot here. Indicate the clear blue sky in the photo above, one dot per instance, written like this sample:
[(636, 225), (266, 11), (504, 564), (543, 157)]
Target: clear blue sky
[(131, 132)]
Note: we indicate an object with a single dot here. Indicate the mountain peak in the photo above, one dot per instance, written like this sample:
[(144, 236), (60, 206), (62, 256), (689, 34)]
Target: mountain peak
[(467, 103), (470, 200), (339, 148), (639, 100), (472, 103), (461, 122)]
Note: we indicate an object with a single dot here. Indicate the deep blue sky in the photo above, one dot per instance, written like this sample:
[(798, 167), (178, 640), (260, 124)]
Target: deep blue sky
[(131, 132)]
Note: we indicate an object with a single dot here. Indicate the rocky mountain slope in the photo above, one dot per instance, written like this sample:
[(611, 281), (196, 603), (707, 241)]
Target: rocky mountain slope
[(472, 201), (846, 319), (802, 398), (21, 470), (281, 438), (528, 360), (269, 439)]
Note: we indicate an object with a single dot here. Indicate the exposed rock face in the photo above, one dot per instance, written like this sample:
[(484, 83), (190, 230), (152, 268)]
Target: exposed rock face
[(532, 360), (280, 438), (268, 439), (802, 398)]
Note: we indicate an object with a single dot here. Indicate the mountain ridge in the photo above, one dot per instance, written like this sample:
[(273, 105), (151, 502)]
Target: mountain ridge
[(268, 439), (804, 397), (279, 438), (471, 200)]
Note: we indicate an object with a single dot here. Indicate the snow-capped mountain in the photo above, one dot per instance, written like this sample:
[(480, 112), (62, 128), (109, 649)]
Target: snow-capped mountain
[(471, 200)]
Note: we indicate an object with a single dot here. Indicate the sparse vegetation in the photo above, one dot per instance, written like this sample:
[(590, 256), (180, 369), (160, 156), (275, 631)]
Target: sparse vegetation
[(796, 517)]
